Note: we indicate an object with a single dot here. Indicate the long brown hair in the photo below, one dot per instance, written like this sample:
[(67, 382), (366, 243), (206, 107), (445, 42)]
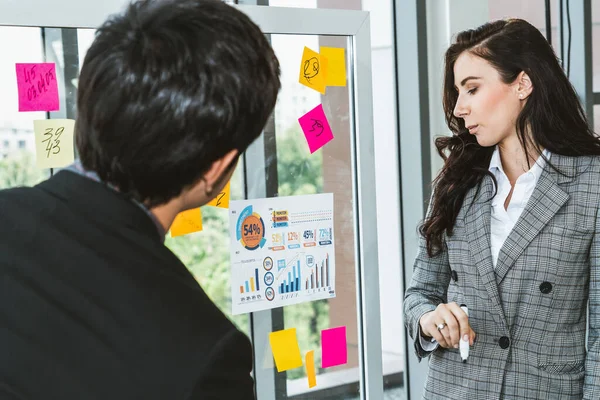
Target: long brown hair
[(553, 116)]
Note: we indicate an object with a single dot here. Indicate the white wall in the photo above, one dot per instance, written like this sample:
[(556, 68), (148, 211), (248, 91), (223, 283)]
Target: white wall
[(445, 18)]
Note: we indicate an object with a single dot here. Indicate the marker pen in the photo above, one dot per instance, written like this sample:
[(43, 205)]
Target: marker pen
[(464, 344)]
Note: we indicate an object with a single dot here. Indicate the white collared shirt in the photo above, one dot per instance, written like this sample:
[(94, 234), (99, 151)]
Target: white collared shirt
[(503, 220)]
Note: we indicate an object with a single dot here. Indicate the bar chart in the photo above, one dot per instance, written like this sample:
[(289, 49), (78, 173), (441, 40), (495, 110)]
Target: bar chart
[(251, 285), (292, 284), (295, 260), (319, 276)]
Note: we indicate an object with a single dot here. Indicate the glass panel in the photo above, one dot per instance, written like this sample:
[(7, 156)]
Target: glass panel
[(17, 144), (533, 11), (85, 37), (597, 119), (390, 272), (328, 170), (61, 48), (596, 45)]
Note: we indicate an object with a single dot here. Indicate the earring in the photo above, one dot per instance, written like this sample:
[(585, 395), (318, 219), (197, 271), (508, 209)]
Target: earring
[(207, 189)]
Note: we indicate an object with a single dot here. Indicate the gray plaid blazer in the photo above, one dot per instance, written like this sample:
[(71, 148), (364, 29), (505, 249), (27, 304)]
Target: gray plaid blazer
[(529, 312)]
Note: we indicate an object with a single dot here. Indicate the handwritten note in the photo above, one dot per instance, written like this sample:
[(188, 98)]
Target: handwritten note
[(188, 221), (336, 65), (334, 347), (54, 142), (286, 351), (38, 88), (311, 70), (222, 199), (316, 128), (310, 369)]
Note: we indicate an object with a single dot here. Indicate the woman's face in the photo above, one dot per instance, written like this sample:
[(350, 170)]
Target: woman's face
[(488, 106)]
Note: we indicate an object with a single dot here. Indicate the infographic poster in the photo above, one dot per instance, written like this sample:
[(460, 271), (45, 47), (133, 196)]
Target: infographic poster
[(282, 251)]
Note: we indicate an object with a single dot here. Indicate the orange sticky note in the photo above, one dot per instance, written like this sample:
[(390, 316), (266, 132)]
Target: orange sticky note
[(310, 369), (222, 199), (311, 70), (286, 350), (188, 221), (336, 65)]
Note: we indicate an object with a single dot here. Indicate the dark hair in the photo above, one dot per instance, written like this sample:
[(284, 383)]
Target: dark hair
[(552, 112), (167, 88)]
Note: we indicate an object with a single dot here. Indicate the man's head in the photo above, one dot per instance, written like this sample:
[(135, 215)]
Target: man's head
[(168, 89)]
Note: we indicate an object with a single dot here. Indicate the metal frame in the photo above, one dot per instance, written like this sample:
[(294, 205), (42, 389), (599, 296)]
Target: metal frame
[(578, 62), (367, 274), (275, 20), (581, 68), (90, 14), (414, 148)]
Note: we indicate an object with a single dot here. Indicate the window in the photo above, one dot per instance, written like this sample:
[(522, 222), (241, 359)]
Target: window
[(298, 173), (206, 253), (17, 164), (390, 266)]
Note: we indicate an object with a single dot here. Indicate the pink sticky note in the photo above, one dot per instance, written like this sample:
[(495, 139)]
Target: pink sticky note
[(38, 89), (334, 349), (316, 128)]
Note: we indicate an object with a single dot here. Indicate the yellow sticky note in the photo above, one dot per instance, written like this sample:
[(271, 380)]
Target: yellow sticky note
[(188, 221), (310, 369), (311, 70), (222, 199), (336, 65), (54, 142), (324, 68), (286, 351)]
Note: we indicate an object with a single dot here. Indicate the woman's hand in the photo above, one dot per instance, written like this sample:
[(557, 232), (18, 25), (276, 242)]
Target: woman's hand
[(447, 324)]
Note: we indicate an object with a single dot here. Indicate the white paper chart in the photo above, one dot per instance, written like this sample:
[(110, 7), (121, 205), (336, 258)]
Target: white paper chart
[(282, 251)]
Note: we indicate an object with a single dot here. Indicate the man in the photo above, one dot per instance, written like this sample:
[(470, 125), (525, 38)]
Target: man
[(92, 304)]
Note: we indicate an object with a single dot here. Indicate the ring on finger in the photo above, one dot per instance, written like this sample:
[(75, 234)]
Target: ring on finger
[(441, 326)]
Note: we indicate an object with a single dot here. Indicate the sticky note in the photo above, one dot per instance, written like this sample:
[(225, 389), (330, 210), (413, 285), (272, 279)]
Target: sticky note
[(311, 70), (188, 221), (316, 128), (37, 86), (334, 348), (54, 142), (324, 70), (222, 199), (286, 351), (310, 369), (336, 65)]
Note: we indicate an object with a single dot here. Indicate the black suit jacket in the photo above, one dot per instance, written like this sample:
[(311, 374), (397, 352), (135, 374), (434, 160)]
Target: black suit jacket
[(94, 306)]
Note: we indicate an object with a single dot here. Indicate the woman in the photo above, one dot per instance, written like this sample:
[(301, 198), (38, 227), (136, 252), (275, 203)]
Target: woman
[(512, 228)]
